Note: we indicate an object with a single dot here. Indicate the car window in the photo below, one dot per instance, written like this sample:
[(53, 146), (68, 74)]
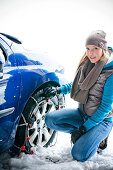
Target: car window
[(2, 53), (2, 59)]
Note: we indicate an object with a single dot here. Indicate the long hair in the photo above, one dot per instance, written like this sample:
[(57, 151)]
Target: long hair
[(84, 57)]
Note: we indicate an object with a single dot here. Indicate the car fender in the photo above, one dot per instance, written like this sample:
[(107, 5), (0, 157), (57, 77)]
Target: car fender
[(31, 80)]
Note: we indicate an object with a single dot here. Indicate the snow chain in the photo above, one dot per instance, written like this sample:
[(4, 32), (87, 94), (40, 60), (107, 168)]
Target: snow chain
[(26, 146)]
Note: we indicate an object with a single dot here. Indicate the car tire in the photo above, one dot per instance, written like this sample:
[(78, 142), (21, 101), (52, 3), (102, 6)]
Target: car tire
[(32, 129)]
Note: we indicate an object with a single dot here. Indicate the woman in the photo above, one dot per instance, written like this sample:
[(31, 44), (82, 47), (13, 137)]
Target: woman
[(92, 87)]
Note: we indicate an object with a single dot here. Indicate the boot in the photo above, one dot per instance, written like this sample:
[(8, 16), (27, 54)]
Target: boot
[(103, 145)]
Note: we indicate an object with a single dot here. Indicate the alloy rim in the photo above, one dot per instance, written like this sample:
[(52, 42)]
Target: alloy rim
[(39, 133)]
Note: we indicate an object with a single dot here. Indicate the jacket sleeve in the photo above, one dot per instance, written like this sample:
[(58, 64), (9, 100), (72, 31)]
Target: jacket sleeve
[(65, 89), (105, 107)]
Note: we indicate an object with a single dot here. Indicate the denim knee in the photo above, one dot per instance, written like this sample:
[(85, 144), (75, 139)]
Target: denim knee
[(81, 154), (47, 119)]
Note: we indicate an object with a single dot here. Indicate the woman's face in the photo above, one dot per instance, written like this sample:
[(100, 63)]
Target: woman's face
[(94, 53)]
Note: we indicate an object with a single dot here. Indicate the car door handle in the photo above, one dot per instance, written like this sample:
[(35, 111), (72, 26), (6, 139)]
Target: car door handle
[(6, 112)]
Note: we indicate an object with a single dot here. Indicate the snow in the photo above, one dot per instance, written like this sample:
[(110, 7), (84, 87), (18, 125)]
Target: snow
[(61, 158), (58, 157)]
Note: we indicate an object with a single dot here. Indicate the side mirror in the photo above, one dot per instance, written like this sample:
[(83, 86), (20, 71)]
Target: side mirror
[(2, 62)]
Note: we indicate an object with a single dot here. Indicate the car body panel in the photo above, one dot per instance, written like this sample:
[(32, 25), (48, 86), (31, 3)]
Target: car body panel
[(23, 73)]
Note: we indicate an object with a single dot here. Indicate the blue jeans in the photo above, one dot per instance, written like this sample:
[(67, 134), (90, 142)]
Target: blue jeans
[(66, 120)]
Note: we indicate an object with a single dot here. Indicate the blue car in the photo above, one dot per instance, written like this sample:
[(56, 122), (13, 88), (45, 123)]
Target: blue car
[(23, 77)]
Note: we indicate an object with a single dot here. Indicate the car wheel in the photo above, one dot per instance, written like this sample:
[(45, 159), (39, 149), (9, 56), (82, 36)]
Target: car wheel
[(32, 125)]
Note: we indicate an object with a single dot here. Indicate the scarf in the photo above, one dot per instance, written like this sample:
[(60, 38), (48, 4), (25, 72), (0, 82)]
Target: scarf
[(86, 76)]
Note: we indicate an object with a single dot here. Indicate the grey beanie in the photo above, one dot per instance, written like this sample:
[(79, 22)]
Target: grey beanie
[(97, 38)]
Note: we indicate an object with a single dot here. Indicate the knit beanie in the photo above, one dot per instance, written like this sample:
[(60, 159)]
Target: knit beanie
[(97, 38)]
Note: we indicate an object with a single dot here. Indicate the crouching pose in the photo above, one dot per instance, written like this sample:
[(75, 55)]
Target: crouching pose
[(92, 121)]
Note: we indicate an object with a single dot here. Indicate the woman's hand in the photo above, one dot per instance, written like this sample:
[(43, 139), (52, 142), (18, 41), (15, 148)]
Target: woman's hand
[(50, 92), (77, 133)]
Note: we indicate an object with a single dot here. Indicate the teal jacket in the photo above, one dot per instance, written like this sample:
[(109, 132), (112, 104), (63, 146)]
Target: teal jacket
[(106, 102)]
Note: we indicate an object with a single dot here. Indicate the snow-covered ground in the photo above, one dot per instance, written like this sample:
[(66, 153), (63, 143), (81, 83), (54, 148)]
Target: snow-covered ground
[(41, 159), (58, 157)]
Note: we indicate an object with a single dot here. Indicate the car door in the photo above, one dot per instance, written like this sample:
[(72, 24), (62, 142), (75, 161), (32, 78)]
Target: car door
[(9, 94)]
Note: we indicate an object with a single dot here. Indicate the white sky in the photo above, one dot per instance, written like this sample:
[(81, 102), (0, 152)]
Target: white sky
[(57, 28)]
